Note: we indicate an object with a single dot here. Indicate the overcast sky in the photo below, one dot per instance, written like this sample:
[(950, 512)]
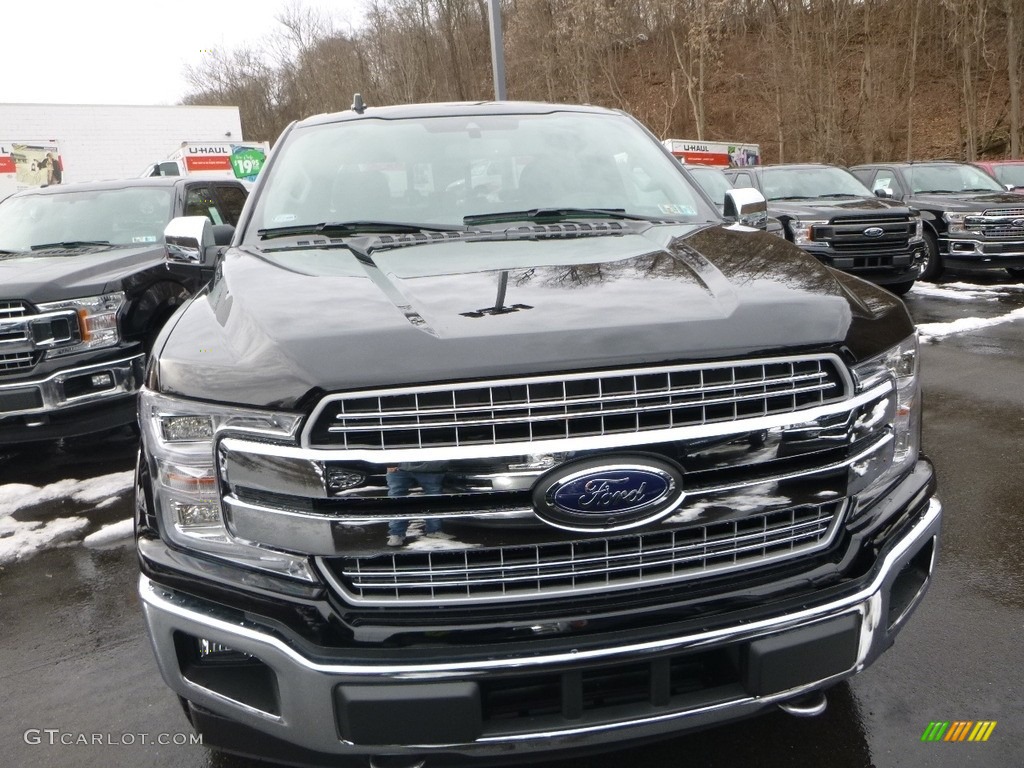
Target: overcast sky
[(129, 51)]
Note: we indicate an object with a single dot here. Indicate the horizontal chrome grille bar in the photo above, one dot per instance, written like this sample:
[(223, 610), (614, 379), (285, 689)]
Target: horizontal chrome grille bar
[(574, 568), (572, 405)]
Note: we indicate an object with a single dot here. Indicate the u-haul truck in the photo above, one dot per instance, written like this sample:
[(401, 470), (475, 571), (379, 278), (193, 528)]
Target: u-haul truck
[(25, 164), (224, 159), (719, 154)]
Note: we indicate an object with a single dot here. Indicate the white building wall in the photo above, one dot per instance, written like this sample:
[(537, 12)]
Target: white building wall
[(110, 142)]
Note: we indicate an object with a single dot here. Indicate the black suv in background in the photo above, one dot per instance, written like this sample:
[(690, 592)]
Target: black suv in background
[(831, 215), (970, 219), (83, 291)]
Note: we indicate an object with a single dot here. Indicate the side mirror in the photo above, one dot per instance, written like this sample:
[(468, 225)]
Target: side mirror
[(883, 192), (190, 240), (1010, 187), (746, 206)]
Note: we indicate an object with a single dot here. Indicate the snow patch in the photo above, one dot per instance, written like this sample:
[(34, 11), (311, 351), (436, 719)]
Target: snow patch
[(931, 331), (959, 295), (15, 496), (18, 540), (111, 534)]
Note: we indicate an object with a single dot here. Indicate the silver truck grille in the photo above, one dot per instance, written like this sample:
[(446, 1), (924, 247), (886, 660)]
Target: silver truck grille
[(593, 565), (10, 309), (575, 405), (14, 362)]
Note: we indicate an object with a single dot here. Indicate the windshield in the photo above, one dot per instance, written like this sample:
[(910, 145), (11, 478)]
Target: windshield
[(827, 181), (714, 183), (439, 170), (1010, 173), (950, 177), (128, 216)]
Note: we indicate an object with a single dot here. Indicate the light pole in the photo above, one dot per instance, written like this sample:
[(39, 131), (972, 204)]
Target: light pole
[(497, 49)]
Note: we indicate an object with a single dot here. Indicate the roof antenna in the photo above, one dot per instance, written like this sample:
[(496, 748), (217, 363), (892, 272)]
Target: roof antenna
[(358, 105)]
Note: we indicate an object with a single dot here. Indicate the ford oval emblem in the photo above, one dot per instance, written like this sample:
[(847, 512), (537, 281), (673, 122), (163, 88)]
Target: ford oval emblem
[(608, 493), (874, 232)]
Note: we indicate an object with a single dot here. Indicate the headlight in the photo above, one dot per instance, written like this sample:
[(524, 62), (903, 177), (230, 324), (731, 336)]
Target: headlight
[(180, 435), (960, 223), (899, 364), (918, 233), (97, 320), (803, 231)]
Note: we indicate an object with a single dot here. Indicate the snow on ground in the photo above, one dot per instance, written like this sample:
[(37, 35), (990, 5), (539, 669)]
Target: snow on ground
[(115, 533), (15, 496), (931, 331), (970, 293), (19, 540)]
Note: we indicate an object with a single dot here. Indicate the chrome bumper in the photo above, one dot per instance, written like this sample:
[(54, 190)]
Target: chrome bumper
[(124, 378), (306, 688)]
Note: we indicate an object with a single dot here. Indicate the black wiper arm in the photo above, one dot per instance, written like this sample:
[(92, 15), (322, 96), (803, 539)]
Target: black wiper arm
[(554, 213), (792, 197), (933, 192), (354, 228), (838, 195), (70, 244)]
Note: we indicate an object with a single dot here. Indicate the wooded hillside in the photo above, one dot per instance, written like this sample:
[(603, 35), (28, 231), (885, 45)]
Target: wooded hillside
[(842, 81)]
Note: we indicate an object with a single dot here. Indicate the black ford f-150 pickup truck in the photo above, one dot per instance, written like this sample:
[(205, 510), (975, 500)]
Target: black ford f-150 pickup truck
[(831, 215), (84, 288), (490, 438), (970, 220)]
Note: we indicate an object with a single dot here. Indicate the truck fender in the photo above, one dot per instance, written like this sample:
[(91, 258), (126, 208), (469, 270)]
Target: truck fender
[(149, 311)]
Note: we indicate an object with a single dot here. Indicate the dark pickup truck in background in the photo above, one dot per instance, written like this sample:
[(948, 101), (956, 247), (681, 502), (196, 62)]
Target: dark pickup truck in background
[(83, 291), (970, 219), (491, 438), (836, 219)]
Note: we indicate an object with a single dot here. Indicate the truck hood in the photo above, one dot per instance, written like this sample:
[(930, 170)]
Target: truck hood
[(967, 201), (826, 208), (68, 274), (278, 329)]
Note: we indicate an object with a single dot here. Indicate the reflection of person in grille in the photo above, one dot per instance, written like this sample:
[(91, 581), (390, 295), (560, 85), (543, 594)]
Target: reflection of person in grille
[(54, 173), (428, 475)]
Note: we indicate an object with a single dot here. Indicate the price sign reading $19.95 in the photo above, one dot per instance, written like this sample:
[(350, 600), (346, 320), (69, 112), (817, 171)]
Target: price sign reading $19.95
[(247, 163)]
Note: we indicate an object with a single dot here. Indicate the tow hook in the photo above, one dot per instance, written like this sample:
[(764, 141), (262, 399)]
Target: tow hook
[(809, 705)]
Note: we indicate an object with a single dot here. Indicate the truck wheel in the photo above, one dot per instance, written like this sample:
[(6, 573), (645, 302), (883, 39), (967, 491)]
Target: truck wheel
[(1016, 274), (932, 260), (900, 289)]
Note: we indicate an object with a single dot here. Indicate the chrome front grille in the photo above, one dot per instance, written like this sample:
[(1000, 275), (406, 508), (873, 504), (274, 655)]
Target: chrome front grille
[(10, 309), (575, 405), (16, 362), (1000, 223), (593, 565)]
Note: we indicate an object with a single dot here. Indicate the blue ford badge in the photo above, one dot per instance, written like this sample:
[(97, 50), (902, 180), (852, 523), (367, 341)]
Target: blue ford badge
[(609, 493), (874, 232)]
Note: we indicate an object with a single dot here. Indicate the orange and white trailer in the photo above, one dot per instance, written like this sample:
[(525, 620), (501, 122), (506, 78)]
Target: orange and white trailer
[(719, 154)]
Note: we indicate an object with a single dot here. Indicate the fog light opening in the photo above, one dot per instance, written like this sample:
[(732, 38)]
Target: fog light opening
[(910, 584), (228, 673)]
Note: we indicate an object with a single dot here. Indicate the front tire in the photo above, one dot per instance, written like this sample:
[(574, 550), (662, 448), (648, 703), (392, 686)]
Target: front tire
[(900, 289), (933, 266)]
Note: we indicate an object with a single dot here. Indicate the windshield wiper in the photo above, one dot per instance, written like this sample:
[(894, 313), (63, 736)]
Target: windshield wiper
[(983, 189), (934, 192), (70, 244), (792, 197), (838, 195), (354, 228), (555, 213)]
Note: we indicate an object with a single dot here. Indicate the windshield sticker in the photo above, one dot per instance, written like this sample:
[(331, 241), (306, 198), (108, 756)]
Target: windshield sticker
[(281, 218), (677, 210), (144, 239)]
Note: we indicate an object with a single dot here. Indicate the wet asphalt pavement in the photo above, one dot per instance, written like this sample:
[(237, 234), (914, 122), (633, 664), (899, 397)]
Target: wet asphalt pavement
[(74, 658)]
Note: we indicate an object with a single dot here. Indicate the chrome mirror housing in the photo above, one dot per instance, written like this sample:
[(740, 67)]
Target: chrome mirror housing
[(746, 206)]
